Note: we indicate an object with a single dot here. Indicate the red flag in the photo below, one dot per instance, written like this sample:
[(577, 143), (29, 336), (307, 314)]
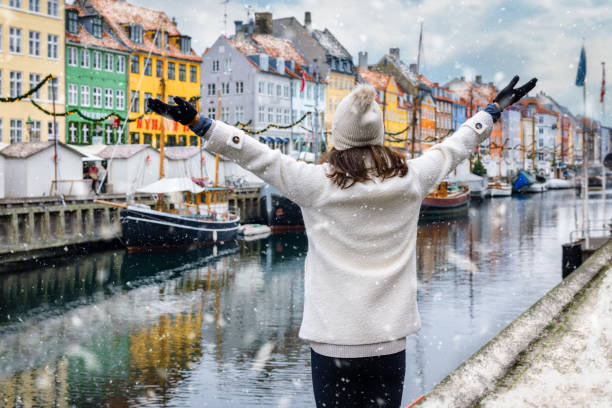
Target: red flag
[(303, 81), (603, 82)]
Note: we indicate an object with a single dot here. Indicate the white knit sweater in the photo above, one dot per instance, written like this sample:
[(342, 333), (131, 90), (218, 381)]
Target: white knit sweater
[(360, 270)]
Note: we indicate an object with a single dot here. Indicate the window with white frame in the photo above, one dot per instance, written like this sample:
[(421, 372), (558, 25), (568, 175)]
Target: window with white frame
[(0, 90), (15, 83), (34, 6), (1, 37), (227, 65), (72, 132), (34, 44), (270, 115), (108, 62), (120, 99), (286, 91), (108, 98), (225, 88), (287, 118), (85, 96), (279, 90), (85, 61), (97, 27), (261, 87), (261, 114), (35, 131), (15, 3), (211, 89), (73, 21), (97, 60), (52, 46), (52, 130), (53, 90), (279, 115), (270, 89), (212, 113), (239, 113), (225, 114), (73, 94), (239, 87), (134, 64), (73, 59), (15, 40), (215, 66), (52, 7), (135, 102), (35, 80), (120, 64), (16, 134)]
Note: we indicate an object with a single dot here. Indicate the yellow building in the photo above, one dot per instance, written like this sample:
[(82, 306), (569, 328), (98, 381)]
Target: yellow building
[(338, 86), (393, 103), (31, 47), (143, 31)]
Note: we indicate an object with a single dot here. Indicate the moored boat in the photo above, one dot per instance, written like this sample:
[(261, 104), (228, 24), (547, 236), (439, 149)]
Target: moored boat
[(499, 189), (522, 181), (254, 229), (446, 199)]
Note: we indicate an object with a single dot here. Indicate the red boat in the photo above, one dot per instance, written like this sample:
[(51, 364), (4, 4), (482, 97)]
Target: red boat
[(446, 199)]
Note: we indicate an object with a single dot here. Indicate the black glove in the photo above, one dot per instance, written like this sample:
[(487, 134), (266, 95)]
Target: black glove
[(183, 112), (509, 95)]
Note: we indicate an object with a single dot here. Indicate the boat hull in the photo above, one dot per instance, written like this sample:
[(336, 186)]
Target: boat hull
[(500, 192), (446, 206), (148, 229)]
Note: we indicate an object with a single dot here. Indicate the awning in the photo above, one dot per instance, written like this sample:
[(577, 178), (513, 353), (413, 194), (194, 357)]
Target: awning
[(171, 185), (286, 140), (278, 140), (269, 139)]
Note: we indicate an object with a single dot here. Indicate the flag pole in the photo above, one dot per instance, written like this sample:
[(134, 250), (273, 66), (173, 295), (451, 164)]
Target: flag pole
[(585, 190), (603, 116)]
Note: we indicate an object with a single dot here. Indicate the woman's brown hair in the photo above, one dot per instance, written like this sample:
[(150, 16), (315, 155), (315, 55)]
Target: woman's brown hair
[(350, 166)]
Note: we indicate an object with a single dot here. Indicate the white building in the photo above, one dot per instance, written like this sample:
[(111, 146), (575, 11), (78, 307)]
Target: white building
[(2, 170), (30, 171), (130, 167)]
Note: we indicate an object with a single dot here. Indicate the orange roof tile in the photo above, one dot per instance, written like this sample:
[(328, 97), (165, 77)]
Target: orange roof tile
[(85, 38), (376, 79)]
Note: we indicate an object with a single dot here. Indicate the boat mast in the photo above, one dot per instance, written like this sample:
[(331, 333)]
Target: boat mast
[(162, 133), (416, 103), (216, 155)]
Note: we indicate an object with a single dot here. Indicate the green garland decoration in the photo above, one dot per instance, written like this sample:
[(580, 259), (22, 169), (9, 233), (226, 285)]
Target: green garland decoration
[(30, 92), (273, 126), (82, 115)]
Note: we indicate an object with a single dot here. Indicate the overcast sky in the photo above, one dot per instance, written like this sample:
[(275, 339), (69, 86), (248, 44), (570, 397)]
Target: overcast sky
[(493, 38)]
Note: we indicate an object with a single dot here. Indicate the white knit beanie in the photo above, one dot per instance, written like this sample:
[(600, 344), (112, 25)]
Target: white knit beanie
[(358, 120)]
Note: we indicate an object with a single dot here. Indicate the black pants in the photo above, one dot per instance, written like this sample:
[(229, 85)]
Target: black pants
[(358, 382)]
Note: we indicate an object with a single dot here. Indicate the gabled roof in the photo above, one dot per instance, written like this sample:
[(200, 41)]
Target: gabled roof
[(331, 45), (23, 150), (122, 13), (279, 47), (376, 79), (83, 37), (180, 152), (122, 151), (401, 67)]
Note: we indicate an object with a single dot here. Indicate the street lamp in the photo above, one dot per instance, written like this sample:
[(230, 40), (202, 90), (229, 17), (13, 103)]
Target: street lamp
[(29, 124)]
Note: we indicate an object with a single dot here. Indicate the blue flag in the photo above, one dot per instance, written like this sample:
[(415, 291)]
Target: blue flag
[(581, 74)]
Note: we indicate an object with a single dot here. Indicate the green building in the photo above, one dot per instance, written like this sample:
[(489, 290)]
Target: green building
[(96, 79)]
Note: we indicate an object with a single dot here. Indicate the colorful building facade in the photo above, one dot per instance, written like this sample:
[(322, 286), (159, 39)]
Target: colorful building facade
[(31, 47), (158, 52), (96, 79)]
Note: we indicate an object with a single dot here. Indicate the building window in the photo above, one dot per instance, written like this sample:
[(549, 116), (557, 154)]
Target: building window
[(120, 64), (108, 98), (270, 115), (541, 131), (135, 104), (52, 46), (182, 72), (73, 94), (261, 87), (286, 91), (227, 65), (15, 130), (97, 97), (52, 8), (108, 62), (287, 118), (35, 131), (239, 87), (35, 80), (193, 73), (147, 67), (72, 21), (211, 89), (72, 132), (97, 27), (279, 90), (159, 68), (120, 99), (97, 60), (84, 58), (171, 73), (185, 43), (239, 113), (15, 83), (15, 3), (225, 88), (134, 137), (261, 114), (270, 89), (212, 113), (134, 64), (72, 56), (52, 130), (225, 114), (34, 44), (279, 115), (136, 33), (85, 98), (15, 40), (215, 66), (35, 6)]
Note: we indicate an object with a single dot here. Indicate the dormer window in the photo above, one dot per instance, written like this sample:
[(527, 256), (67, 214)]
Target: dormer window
[(72, 21), (136, 33), (97, 27), (185, 44), (158, 40)]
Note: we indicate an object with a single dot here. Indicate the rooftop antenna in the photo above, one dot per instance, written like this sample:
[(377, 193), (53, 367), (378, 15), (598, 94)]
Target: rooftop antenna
[(224, 2)]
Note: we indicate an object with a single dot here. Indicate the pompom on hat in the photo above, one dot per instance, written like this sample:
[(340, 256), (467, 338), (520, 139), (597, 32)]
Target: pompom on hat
[(358, 120)]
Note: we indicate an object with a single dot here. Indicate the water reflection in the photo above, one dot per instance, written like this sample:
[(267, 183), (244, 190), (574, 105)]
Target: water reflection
[(219, 327)]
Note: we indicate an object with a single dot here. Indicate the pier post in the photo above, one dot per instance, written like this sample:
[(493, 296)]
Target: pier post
[(89, 226), (14, 229), (61, 224), (30, 228), (78, 223)]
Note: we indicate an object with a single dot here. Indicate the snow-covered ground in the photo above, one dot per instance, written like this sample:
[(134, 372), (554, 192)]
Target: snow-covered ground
[(572, 365)]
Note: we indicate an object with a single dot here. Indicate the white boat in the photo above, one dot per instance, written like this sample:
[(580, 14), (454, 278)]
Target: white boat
[(555, 184), (254, 229), (536, 188), (499, 189)]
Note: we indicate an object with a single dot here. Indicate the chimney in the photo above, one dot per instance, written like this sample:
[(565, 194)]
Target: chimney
[(479, 79), (308, 21), (263, 23), (394, 53), (363, 59), (239, 29), (463, 78), (413, 68)]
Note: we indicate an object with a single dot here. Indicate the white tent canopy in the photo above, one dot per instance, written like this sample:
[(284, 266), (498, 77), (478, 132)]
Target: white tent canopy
[(171, 185)]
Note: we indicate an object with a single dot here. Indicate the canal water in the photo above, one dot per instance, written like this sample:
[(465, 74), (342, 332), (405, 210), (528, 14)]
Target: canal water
[(219, 327)]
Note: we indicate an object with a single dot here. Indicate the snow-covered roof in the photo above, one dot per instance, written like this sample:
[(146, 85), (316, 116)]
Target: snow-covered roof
[(376, 79), (279, 47), (331, 44), (402, 67), (120, 14), (180, 152), (23, 150), (122, 151), (83, 37)]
